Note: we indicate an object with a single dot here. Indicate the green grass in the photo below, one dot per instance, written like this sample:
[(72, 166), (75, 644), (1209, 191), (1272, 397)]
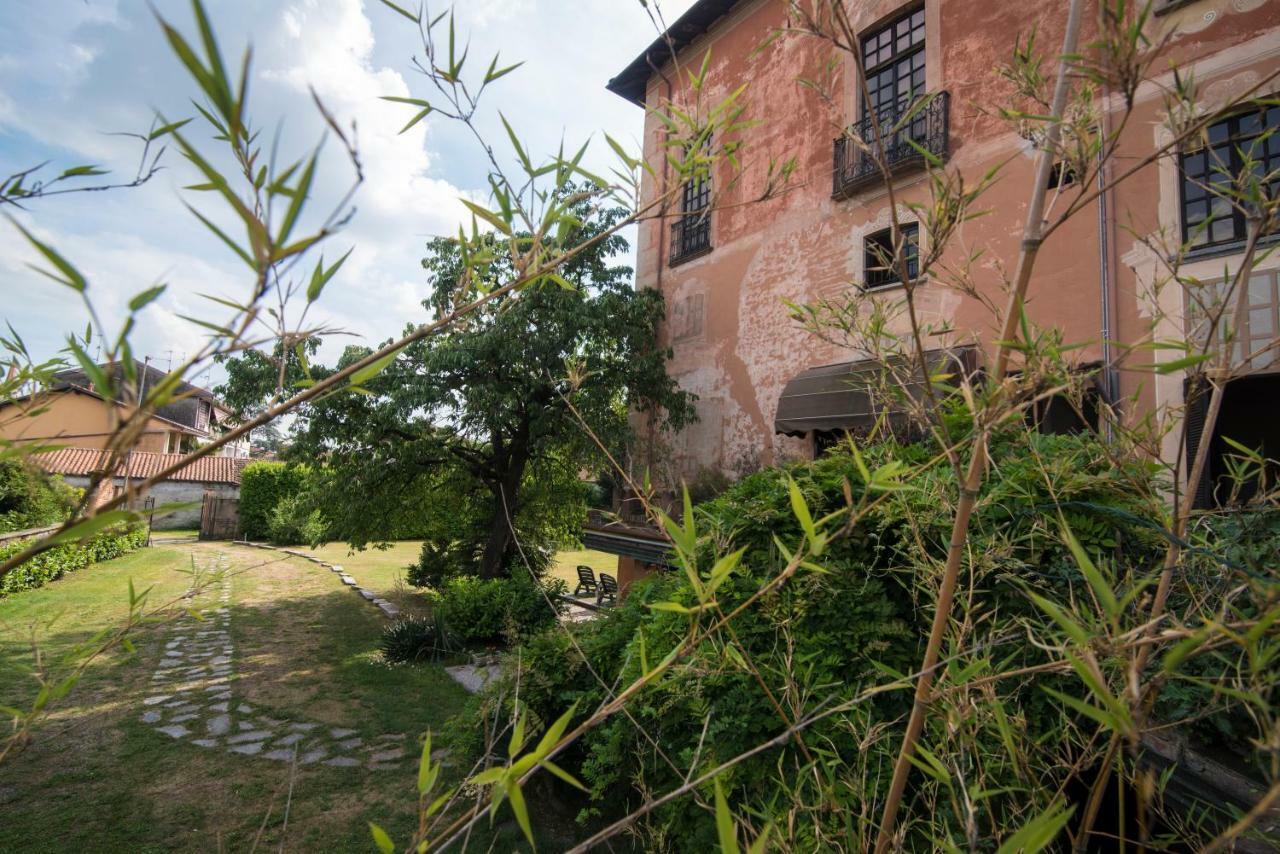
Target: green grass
[(380, 570), (95, 778), (566, 565), (383, 570)]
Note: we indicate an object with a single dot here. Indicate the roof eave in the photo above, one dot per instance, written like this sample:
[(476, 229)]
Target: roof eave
[(633, 81)]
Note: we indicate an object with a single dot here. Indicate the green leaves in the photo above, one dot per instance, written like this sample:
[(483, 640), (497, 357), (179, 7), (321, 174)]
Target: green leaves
[(1037, 834), (380, 838), (505, 780), (320, 276), (400, 10), (66, 273), (142, 300), (374, 368), (726, 833)]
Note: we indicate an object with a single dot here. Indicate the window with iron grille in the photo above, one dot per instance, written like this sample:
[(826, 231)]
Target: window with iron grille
[(893, 59), (1209, 175), (691, 232), (879, 262)]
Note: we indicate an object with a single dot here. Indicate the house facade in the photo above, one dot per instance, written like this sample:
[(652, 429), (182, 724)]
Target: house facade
[(728, 264), (71, 412)]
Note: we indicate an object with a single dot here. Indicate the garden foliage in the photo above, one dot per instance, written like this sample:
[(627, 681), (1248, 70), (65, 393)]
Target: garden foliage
[(29, 498), (58, 561), (493, 610), (857, 617), (275, 505)]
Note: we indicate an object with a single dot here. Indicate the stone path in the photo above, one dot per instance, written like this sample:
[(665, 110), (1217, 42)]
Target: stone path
[(388, 609), (193, 699)]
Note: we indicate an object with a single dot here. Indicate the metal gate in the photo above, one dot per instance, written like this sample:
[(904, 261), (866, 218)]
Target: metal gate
[(219, 517)]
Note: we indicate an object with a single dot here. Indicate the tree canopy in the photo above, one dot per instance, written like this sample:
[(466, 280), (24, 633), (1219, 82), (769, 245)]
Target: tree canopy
[(475, 438)]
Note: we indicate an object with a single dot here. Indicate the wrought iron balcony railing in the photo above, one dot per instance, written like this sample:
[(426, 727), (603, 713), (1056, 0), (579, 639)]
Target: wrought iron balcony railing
[(927, 127), (690, 237)]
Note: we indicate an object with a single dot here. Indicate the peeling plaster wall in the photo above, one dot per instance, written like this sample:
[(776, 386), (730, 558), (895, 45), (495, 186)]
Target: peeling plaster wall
[(734, 344)]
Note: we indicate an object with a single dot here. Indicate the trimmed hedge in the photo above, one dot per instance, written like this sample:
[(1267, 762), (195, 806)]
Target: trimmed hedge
[(58, 561), (263, 486)]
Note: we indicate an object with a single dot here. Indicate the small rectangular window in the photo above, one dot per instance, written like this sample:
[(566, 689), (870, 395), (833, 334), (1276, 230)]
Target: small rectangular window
[(879, 259)]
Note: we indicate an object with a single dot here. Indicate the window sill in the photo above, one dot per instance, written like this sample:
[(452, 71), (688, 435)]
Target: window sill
[(1226, 249), (891, 286), (689, 256)]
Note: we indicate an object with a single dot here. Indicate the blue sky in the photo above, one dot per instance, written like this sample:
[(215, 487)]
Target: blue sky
[(74, 71)]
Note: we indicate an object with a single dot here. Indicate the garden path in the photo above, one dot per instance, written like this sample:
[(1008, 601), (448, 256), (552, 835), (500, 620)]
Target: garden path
[(193, 699)]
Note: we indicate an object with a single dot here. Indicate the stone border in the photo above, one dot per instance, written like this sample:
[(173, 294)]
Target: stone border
[(388, 609)]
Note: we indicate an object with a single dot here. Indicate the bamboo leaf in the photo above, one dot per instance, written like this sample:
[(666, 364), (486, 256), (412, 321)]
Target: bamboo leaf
[(725, 830), (70, 275), (380, 838)]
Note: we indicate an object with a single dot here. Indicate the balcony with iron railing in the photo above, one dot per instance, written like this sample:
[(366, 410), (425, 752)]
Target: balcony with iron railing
[(690, 237), (924, 124)]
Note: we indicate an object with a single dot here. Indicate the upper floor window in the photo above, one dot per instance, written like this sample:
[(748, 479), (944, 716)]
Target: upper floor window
[(893, 60), (203, 411), (1211, 174), (884, 139), (691, 232), (879, 259)]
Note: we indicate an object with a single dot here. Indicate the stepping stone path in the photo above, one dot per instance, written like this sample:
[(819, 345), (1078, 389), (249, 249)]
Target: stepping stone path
[(389, 609), (192, 700)]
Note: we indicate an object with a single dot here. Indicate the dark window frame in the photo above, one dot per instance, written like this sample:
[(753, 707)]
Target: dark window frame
[(1199, 167), (691, 231), (874, 273), (903, 37)]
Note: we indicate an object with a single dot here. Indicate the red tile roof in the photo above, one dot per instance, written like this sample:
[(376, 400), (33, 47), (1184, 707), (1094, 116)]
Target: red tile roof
[(142, 464)]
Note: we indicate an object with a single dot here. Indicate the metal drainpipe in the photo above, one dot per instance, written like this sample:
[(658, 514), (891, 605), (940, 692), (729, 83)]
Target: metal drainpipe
[(1109, 389)]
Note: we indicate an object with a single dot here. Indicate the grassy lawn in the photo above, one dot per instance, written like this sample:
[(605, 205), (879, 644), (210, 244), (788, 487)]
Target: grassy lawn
[(379, 570), (97, 778), (383, 571)]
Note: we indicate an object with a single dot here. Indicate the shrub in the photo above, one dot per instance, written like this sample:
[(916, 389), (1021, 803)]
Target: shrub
[(415, 639), (825, 635), (30, 498), (438, 562), (296, 521), (58, 561), (481, 611), (263, 486)]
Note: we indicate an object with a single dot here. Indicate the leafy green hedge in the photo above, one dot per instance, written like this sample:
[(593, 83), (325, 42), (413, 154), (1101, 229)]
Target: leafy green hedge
[(30, 498), (58, 561), (477, 611), (263, 487)]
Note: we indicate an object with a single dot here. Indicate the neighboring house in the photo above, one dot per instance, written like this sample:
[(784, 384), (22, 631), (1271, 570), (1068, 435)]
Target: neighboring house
[(216, 476), (71, 412), (726, 263)]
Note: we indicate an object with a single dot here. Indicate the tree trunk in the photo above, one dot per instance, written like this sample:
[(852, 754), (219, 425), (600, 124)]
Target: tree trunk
[(506, 496)]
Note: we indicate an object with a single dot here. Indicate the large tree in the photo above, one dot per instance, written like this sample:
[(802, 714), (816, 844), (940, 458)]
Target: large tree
[(479, 421)]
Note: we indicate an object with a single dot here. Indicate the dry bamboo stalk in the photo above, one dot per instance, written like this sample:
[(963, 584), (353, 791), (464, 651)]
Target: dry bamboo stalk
[(1031, 240)]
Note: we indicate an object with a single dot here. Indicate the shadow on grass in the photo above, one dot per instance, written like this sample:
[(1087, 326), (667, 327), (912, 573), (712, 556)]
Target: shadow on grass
[(95, 777)]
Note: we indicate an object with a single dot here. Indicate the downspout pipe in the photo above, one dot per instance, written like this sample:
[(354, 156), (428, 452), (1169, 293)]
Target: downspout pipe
[(1110, 390)]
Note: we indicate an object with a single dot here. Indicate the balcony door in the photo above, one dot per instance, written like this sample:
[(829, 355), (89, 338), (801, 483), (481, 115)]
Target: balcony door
[(893, 59)]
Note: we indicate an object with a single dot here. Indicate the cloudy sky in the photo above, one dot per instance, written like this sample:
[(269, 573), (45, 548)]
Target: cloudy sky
[(75, 72)]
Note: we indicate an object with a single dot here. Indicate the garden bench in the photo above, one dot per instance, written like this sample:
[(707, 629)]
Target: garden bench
[(586, 581), (608, 589)]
